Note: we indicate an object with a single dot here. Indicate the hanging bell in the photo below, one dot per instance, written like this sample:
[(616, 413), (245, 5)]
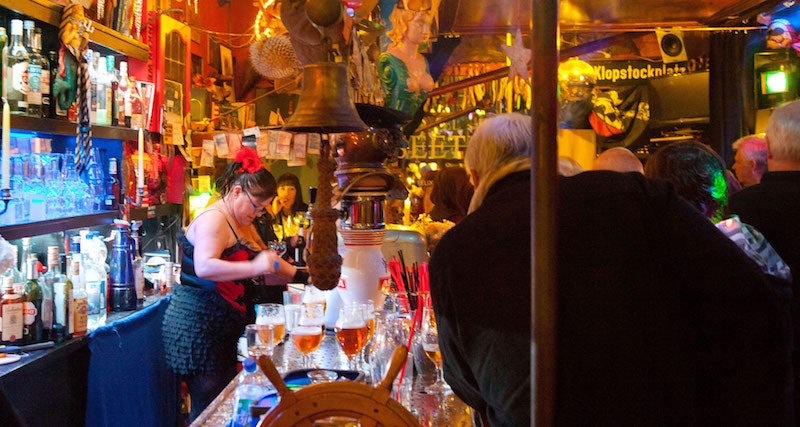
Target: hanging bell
[(325, 105)]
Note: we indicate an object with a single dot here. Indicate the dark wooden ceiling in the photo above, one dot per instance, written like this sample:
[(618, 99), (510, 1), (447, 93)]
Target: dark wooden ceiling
[(498, 16)]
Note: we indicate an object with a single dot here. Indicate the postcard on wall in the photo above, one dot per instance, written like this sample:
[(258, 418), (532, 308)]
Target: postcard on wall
[(272, 144), (234, 144), (284, 145), (262, 145), (207, 155), (313, 143), (254, 131), (221, 142)]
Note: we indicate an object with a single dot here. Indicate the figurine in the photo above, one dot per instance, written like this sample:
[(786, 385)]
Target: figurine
[(402, 69), (73, 42)]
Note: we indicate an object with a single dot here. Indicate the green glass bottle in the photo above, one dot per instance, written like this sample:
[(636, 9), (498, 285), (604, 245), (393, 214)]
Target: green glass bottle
[(32, 298)]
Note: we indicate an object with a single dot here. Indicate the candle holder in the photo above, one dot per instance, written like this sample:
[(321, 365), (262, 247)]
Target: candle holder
[(5, 197)]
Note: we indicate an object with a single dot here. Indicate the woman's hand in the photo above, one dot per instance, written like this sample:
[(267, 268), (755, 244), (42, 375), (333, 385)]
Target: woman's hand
[(267, 262)]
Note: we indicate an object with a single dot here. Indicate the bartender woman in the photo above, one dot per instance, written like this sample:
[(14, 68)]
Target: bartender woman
[(223, 259)]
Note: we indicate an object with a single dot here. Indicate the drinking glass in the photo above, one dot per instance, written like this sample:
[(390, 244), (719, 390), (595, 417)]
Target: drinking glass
[(308, 329), (259, 340), (430, 343), (351, 332), (273, 315)]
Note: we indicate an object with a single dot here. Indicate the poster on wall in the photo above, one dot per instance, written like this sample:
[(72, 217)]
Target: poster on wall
[(173, 101)]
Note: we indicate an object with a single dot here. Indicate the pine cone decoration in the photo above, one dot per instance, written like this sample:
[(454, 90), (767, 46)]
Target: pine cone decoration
[(324, 261)]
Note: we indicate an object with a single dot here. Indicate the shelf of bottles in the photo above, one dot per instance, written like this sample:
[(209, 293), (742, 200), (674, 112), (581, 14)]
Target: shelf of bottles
[(57, 225), (49, 12), (67, 128)]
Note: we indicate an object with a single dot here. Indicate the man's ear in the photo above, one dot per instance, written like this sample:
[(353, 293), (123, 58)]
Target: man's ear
[(474, 179)]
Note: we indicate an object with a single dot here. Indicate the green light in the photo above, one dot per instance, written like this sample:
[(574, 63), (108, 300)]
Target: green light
[(775, 81)]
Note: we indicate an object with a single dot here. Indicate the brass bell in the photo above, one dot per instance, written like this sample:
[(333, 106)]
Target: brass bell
[(325, 105)]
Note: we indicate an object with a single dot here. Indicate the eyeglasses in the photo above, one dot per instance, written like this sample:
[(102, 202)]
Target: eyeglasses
[(256, 208)]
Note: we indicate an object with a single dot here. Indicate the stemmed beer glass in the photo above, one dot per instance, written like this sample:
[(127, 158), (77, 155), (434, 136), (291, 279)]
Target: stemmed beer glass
[(308, 330), (351, 332), (430, 343)]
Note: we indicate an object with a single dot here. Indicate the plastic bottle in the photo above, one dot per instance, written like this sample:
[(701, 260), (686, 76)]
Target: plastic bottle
[(251, 385)]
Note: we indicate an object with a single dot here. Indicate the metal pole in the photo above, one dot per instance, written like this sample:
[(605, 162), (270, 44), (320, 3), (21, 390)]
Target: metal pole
[(543, 207)]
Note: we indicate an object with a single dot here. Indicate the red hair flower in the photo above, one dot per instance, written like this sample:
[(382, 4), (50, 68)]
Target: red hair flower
[(249, 159)]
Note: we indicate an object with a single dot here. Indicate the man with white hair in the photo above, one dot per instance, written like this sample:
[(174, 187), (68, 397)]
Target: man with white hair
[(618, 159), (773, 205), (750, 162)]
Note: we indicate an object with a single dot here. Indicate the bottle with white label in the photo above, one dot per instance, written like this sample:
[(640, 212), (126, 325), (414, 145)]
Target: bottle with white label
[(80, 302), (35, 69), (15, 70), (10, 313)]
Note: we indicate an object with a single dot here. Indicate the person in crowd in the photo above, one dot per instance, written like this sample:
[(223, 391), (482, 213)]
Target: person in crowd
[(662, 322), (697, 173), (773, 205), (451, 194), (750, 162), (289, 210), (618, 159), (222, 257), (567, 166)]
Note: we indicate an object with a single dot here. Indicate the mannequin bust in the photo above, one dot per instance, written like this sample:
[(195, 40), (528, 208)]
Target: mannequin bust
[(401, 68)]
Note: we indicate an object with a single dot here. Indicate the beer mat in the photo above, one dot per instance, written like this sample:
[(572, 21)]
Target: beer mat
[(10, 358), (299, 378)]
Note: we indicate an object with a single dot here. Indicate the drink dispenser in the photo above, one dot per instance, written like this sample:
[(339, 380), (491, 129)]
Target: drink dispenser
[(121, 277)]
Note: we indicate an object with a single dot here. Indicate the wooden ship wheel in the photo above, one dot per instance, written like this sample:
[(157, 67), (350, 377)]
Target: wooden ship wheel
[(370, 406)]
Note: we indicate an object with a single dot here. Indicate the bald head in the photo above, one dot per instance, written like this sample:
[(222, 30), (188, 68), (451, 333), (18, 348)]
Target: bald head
[(618, 159)]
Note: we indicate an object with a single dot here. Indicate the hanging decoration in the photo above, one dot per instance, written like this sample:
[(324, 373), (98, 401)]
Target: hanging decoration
[(519, 56)]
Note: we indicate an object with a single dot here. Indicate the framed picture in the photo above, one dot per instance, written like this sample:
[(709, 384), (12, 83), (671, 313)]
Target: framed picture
[(213, 54), (226, 61)]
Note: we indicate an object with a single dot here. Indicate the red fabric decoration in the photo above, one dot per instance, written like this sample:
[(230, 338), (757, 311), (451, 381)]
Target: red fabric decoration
[(249, 159)]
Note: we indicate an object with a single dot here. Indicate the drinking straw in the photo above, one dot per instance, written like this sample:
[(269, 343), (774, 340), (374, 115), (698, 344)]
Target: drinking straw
[(417, 317)]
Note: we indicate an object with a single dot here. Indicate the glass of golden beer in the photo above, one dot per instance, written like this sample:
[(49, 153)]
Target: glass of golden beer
[(272, 314), (308, 330), (430, 344), (351, 331)]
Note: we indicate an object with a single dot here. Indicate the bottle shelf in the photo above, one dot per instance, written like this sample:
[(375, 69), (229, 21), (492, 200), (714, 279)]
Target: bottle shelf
[(64, 127), (50, 13), (18, 231)]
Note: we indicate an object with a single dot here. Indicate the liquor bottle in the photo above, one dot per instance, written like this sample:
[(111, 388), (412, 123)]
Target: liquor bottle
[(13, 272), (54, 111), (93, 58), (32, 296), (47, 99), (95, 280), (137, 117), (10, 313), (122, 291), (48, 283), (123, 96), (15, 67), (80, 300), (300, 248), (104, 99), (138, 264), (113, 78), (23, 259), (62, 296), (37, 67), (112, 186)]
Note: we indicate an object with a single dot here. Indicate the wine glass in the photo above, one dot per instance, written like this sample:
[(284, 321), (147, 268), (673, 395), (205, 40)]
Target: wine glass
[(430, 343), (273, 315), (351, 332), (308, 329)]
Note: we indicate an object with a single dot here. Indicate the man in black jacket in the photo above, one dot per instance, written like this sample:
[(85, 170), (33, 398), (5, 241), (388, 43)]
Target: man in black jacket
[(662, 319)]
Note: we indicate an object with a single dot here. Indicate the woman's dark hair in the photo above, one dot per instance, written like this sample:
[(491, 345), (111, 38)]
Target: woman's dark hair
[(696, 172), (291, 179), (451, 192), (260, 184)]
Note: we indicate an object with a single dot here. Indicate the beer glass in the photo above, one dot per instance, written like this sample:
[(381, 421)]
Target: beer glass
[(272, 314), (308, 330), (430, 343), (351, 332)]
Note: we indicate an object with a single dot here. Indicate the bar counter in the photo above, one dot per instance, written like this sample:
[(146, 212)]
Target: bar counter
[(430, 409)]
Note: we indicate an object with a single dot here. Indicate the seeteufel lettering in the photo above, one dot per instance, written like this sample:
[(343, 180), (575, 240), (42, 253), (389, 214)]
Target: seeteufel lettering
[(631, 72)]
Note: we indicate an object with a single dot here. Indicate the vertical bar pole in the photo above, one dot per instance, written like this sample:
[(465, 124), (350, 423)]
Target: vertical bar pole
[(543, 207)]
